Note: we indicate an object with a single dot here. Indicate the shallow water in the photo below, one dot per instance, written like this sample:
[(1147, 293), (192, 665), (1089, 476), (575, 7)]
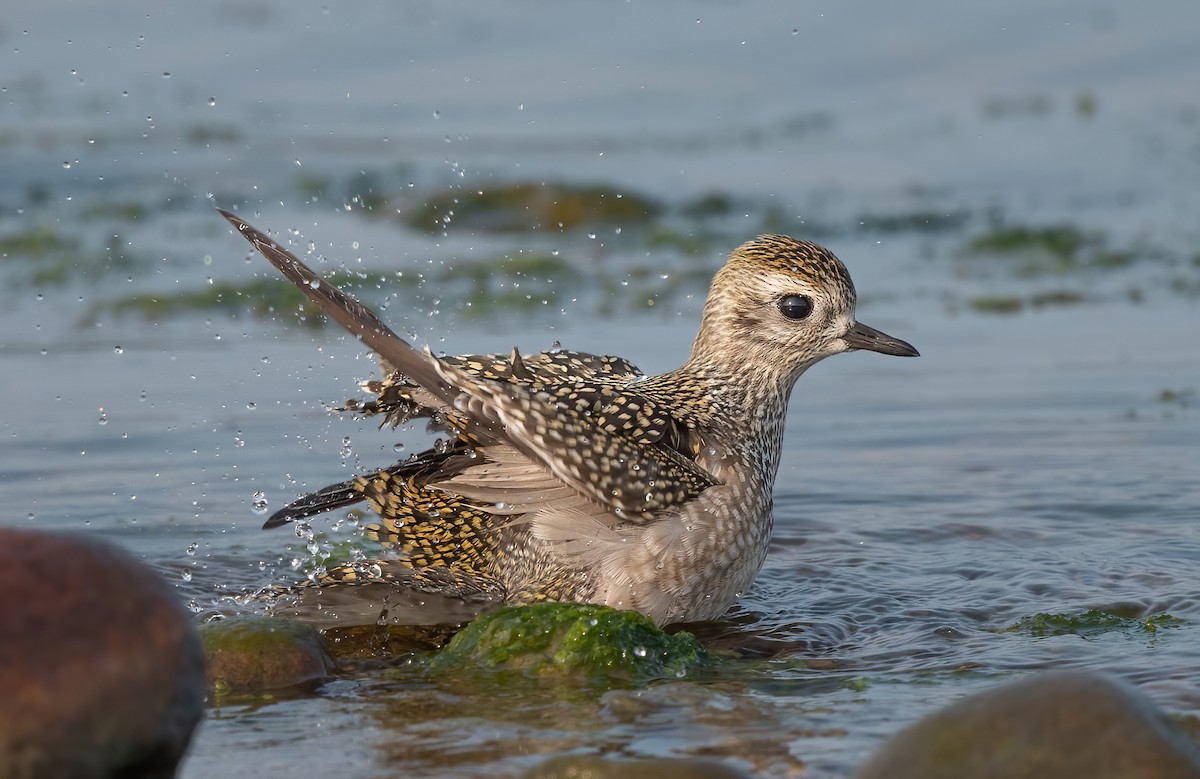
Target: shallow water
[(1042, 461)]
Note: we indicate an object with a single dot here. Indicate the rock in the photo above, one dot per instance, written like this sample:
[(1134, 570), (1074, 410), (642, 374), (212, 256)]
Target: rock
[(1059, 723), (100, 666), (254, 654), (581, 766), (572, 642)]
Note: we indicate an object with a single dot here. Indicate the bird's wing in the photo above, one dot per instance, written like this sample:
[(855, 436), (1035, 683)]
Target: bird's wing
[(400, 400), (617, 448), (611, 444)]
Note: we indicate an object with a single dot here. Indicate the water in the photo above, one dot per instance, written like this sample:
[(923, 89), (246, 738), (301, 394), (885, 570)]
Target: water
[(1042, 461)]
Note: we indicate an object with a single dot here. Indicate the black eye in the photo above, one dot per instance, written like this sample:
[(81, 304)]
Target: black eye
[(796, 306)]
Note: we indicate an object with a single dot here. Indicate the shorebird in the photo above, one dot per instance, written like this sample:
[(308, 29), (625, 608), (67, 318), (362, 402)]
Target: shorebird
[(567, 476)]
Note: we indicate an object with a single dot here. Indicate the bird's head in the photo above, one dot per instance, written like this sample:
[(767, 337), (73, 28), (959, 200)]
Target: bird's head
[(783, 304)]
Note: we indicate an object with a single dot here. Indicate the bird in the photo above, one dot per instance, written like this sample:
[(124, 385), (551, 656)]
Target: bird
[(573, 477)]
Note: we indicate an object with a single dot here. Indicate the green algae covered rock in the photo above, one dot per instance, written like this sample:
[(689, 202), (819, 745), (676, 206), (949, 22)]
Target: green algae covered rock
[(572, 642)]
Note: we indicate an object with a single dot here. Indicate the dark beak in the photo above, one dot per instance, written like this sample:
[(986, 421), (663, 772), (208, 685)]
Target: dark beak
[(862, 337)]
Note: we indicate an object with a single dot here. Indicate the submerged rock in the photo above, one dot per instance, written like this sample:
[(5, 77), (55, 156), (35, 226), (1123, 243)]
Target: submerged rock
[(572, 641), (254, 654), (100, 666), (1061, 723), (579, 766)]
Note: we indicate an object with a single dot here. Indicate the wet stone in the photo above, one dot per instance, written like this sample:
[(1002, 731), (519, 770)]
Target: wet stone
[(1059, 723), (249, 654), (578, 766), (100, 666), (572, 642)]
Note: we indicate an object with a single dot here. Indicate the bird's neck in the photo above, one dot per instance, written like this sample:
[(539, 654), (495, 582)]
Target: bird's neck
[(747, 404)]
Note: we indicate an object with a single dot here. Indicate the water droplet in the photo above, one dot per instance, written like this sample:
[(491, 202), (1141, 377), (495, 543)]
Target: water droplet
[(258, 502), (118, 350), (397, 447), (212, 101), (251, 405), (640, 651), (186, 575), (191, 549), (315, 283), (67, 165), (166, 74), (103, 416), (347, 449)]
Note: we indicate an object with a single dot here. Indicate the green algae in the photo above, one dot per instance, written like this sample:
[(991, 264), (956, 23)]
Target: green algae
[(709, 205), (263, 298), (1046, 248), (1092, 623), (997, 304), (531, 206), (36, 243), (571, 642), (1013, 304), (913, 222), (43, 256)]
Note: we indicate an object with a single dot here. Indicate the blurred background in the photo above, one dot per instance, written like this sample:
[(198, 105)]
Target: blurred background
[(1013, 187)]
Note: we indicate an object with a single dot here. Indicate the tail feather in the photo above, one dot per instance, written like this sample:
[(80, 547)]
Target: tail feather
[(327, 499), (352, 315)]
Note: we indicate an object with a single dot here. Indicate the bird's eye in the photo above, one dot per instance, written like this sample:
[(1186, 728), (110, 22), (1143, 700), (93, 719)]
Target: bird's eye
[(796, 306)]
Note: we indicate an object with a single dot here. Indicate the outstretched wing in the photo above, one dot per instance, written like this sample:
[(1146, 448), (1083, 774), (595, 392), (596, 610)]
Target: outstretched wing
[(611, 444)]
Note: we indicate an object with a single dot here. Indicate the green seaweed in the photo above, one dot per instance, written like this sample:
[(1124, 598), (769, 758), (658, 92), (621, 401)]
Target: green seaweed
[(708, 205), (914, 222), (119, 210), (531, 206), (264, 298), (210, 134), (571, 642), (43, 256), (1092, 623), (35, 243), (1062, 242), (997, 304)]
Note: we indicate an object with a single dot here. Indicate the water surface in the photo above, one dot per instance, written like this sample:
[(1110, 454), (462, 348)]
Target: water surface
[(1041, 457)]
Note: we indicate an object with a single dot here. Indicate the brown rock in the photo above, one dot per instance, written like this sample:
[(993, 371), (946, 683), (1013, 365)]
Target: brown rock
[(1059, 723), (251, 654), (101, 670), (591, 767)]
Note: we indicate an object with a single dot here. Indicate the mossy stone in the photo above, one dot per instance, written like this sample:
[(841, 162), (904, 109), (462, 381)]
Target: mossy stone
[(571, 641)]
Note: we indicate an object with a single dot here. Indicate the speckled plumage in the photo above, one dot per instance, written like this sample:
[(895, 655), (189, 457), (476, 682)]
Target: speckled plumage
[(571, 476)]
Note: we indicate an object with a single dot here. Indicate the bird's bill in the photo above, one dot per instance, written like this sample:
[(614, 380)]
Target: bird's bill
[(862, 337)]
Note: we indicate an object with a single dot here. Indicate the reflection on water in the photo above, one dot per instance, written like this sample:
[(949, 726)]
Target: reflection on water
[(1012, 188)]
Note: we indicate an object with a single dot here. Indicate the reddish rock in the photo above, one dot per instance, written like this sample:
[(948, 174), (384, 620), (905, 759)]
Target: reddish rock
[(252, 654), (1060, 723), (101, 669)]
